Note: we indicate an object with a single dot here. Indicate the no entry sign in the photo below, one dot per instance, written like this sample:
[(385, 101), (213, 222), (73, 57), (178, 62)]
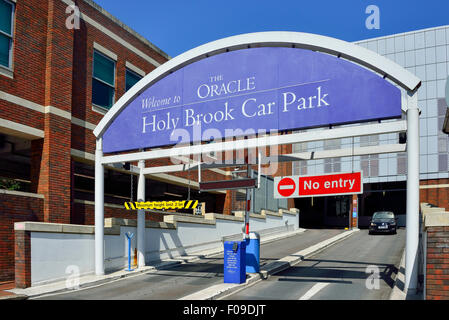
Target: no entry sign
[(286, 187), (323, 185)]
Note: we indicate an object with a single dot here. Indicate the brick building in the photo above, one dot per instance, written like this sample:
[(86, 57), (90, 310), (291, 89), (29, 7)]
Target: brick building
[(58, 77)]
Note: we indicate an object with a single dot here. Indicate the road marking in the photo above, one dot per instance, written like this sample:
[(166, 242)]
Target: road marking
[(314, 290)]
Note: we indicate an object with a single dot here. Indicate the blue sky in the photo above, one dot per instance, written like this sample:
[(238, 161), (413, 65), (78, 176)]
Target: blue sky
[(176, 26)]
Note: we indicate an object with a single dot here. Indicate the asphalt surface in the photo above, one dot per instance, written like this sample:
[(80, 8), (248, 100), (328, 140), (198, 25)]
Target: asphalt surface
[(337, 273), (182, 280)]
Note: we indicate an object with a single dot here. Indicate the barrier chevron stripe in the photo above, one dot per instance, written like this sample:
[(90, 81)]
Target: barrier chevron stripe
[(140, 205)]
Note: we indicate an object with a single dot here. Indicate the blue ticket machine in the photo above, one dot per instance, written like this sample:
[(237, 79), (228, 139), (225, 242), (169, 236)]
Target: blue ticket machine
[(234, 262), (253, 253)]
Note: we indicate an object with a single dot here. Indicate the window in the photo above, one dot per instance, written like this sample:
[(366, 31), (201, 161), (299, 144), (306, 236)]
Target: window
[(332, 164), (443, 140), (131, 79), (103, 81), (300, 167), (6, 29), (402, 163), (442, 162), (370, 163)]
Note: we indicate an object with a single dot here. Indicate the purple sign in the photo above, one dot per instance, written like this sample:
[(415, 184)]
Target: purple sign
[(245, 91)]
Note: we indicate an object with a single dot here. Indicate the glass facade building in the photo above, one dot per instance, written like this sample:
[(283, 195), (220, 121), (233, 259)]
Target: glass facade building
[(425, 53)]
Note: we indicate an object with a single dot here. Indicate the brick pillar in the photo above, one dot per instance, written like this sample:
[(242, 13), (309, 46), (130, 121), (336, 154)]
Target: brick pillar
[(227, 207), (227, 201), (22, 259), (54, 173), (219, 203), (437, 263), (36, 158), (354, 203)]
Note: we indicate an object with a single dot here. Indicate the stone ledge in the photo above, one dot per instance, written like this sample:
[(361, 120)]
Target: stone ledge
[(174, 219), (74, 228), (436, 219), (214, 216), (112, 222), (271, 213), (111, 226), (431, 210), (291, 211), (53, 227), (22, 194), (241, 214)]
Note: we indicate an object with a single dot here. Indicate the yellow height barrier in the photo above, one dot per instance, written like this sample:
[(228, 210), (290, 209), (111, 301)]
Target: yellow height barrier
[(184, 204)]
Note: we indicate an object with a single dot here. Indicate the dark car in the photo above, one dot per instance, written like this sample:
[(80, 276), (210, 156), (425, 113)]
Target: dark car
[(383, 221)]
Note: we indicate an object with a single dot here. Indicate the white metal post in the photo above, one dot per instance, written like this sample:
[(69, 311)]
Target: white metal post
[(199, 169), (141, 217), (412, 220), (99, 209), (247, 204), (259, 168)]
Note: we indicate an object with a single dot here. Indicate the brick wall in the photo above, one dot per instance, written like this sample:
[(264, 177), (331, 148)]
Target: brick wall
[(29, 55), (13, 209), (438, 196), (437, 270), (53, 67)]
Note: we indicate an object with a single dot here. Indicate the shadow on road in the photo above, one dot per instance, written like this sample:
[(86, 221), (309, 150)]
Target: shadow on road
[(316, 280), (341, 270)]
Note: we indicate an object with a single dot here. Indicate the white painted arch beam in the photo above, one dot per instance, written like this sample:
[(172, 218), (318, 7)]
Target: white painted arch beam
[(348, 152), (369, 59), (324, 154), (337, 133)]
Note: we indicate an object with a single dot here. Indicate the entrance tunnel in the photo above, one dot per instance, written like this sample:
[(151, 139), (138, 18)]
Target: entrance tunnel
[(333, 212)]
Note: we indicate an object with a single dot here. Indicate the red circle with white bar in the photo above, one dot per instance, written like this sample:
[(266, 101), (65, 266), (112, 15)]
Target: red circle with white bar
[(286, 187)]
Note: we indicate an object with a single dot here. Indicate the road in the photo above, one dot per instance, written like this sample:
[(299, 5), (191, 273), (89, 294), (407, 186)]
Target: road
[(337, 273), (185, 279)]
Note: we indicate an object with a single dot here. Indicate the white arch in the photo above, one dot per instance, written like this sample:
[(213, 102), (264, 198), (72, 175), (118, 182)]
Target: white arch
[(371, 60), (347, 50)]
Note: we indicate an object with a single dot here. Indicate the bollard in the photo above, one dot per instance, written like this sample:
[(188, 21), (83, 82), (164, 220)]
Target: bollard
[(129, 236)]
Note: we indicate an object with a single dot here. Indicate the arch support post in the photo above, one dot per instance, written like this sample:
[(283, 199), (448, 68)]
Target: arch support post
[(141, 217), (99, 209), (412, 215)]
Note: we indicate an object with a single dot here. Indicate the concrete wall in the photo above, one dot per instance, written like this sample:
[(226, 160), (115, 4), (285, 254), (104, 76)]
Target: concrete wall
[(53, 253), (55, 247)]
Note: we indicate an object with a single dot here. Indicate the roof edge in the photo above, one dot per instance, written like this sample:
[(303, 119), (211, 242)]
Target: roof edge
[(99, 8)]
